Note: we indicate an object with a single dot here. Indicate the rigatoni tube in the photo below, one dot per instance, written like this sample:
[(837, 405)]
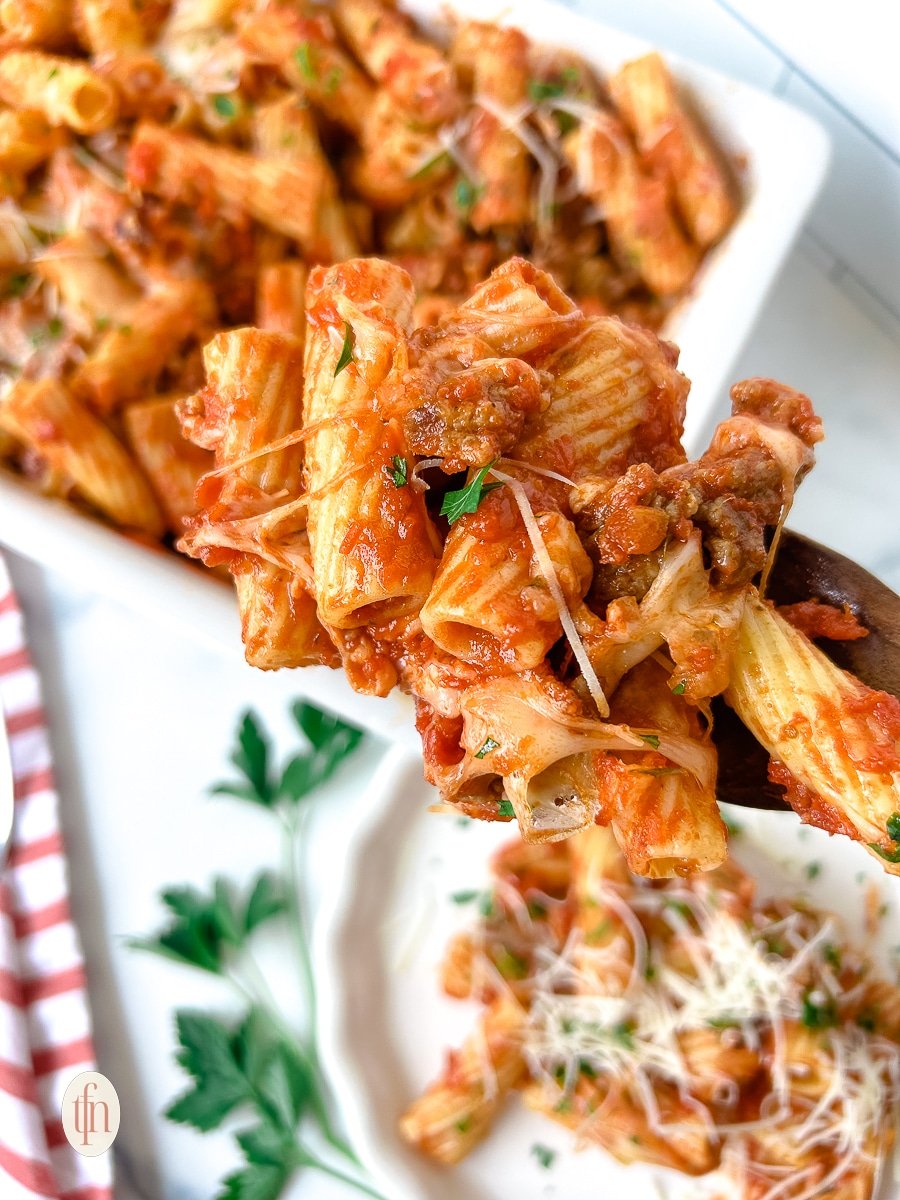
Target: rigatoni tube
[(373, 548), (838, 740)]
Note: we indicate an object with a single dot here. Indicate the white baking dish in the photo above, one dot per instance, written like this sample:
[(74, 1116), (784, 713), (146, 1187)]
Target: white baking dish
[(786, 154)]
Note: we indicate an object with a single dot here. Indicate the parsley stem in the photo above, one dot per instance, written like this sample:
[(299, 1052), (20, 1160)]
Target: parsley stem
[(294, 840), (336, 1173), (294, 829)]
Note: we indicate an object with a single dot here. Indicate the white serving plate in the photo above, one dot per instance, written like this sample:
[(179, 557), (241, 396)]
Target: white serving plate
[(385, 1025), (786, 152)]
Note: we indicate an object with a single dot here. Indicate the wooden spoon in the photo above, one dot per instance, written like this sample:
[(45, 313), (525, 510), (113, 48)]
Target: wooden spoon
[(805, 570)]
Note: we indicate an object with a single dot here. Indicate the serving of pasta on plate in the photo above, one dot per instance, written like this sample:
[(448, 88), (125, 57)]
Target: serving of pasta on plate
[(688, 1024)]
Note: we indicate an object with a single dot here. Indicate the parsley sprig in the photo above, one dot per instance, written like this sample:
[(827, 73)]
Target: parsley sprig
[(258, 1066), (466, 500)]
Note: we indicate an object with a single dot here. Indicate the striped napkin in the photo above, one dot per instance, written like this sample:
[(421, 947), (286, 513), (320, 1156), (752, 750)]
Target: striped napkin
[(45, 1027)]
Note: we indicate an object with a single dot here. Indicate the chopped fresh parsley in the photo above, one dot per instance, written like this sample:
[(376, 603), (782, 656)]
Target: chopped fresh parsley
[(599, 931), (17, 285), (545, 89), (465, 194), (893, 832), (832, 955), (565, 121), (398, 470), (651, 739), (544, 1155), (52, 74), (867, 1019), (659, 772), (304, 56), (732, 826), (506, 809), (53, 329), (225, 107), (442, 158), (486, 905), (333, 81), (536, 910), (818, 1015), (466, 500), (891, 856), (678, 689), (623, 1033), (510, 966), (101, 324), (126, 329), (813, 870), (464, 1125), (465, 897), (489, 745), (346, 355)]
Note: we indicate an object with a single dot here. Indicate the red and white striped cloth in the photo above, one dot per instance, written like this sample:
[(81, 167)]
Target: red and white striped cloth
[(45, 1025)]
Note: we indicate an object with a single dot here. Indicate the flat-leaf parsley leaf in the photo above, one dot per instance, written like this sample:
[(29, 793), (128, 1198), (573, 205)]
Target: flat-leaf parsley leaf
[(346, 356), (399, 470), (466, 500)]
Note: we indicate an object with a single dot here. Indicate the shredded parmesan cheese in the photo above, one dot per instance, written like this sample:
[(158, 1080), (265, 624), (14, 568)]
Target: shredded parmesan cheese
[(415, 482), (527, 466), (514, 120), (547, 569)]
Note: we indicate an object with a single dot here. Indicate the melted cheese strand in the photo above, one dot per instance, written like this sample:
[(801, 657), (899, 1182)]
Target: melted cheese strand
[(547, 569)]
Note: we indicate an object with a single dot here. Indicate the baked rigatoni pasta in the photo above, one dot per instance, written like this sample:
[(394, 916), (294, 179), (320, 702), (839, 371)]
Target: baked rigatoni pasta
[(642, 226), (46, 417), (284, 131), (41, 23), (686, 1025), (173, 465), (833, 741), (226, 149), (109, 28), (281, 297), (244, 523), (674, 146), (131, 354), (93, 291), (498, 61), (282, 195), (457, 1111), (26, 140), (414, 72), (64, 90), (365, 569), (306, 51)]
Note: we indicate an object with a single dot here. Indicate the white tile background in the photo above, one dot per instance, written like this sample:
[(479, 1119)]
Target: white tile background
[(141, 718)]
